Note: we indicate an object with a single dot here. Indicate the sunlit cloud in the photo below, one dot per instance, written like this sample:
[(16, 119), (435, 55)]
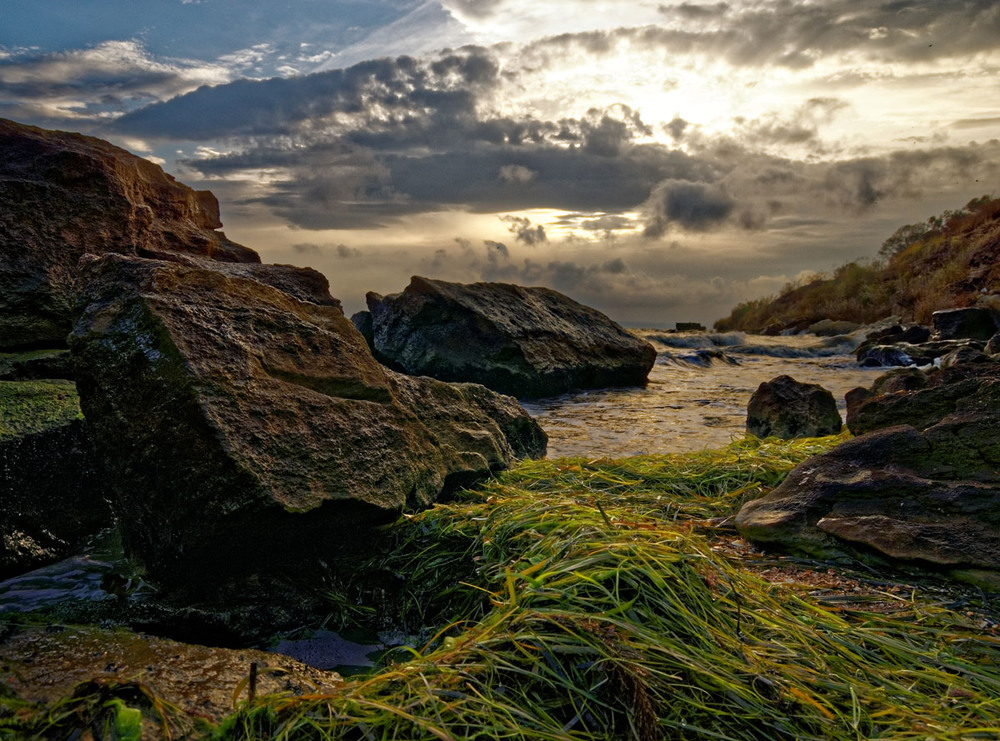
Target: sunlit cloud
[(647, 157)]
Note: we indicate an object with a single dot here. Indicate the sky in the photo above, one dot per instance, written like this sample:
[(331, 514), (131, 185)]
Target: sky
[(660, 161)]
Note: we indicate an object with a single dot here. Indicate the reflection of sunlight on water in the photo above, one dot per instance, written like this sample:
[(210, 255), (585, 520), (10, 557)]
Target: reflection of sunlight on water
[(686, 407)]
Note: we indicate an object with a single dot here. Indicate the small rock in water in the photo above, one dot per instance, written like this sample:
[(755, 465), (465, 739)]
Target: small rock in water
[(786, 408)]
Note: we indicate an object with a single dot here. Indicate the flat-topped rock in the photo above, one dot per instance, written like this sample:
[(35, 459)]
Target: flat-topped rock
[(927, 497), (63, 195), (248, 431), (527, 342)]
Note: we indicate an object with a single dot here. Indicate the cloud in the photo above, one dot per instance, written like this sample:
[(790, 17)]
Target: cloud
[(496, 248), (104, 81), (796, 35), (344, 252), (692, 206), (473, 8), (516, 174), (524, 231), (375, 102), (800, 126), (341, 251)]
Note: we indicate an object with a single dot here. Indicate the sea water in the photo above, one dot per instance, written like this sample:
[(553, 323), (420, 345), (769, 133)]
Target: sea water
[(697, 393)]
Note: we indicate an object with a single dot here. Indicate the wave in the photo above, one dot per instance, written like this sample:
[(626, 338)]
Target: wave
[(697, 359), (696, 341), (738, 343)]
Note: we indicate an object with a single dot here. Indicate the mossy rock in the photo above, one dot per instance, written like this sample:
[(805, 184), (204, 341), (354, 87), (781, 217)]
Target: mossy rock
[(28, 407)]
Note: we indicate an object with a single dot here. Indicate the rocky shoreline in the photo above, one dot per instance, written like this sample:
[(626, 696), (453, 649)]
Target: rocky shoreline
[(271, 464)]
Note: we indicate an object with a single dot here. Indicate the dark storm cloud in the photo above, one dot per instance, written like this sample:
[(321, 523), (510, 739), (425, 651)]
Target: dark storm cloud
[(338, 183), (692, 206), (784, 33), (381, 95), (676, 128)]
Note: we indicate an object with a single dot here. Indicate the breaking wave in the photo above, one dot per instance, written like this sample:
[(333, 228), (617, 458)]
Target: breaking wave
[(708, 347)]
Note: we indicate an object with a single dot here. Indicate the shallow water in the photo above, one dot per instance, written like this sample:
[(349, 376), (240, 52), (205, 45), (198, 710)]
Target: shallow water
[(697, 393)]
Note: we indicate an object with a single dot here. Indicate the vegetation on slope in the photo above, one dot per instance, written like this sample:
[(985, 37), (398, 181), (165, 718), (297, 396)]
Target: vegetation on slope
[(606, 599), (951, 260)]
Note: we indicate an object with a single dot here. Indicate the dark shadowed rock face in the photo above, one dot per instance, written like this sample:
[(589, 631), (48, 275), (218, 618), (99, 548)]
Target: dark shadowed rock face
[(248, 431), (964, 324), (63, 195), (52, 495), (528, 342), (786, 408)]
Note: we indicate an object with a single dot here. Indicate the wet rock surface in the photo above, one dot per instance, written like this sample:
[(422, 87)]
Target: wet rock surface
[(52, 492), (247, 431), (786, 408), (44, 664), (920, 484), (904, 354), (527, 342), (65, 195)]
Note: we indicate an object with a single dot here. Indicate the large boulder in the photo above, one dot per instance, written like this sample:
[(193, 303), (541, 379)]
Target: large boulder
[(964, 324), (923, 496), (52, 494), (64, 195), (248, 431), (527, 342), (786, 408)]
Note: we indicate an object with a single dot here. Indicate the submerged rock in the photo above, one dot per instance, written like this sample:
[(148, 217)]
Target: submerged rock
[(786, 408), (52, 495), (64, 195), (248, 431), (528, 342)]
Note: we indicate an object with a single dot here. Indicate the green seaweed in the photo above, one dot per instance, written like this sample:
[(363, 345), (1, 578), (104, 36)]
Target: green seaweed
[(601, 599)]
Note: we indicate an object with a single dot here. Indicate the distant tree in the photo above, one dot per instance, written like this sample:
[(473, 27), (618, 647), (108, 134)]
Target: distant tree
[(905, 236)]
